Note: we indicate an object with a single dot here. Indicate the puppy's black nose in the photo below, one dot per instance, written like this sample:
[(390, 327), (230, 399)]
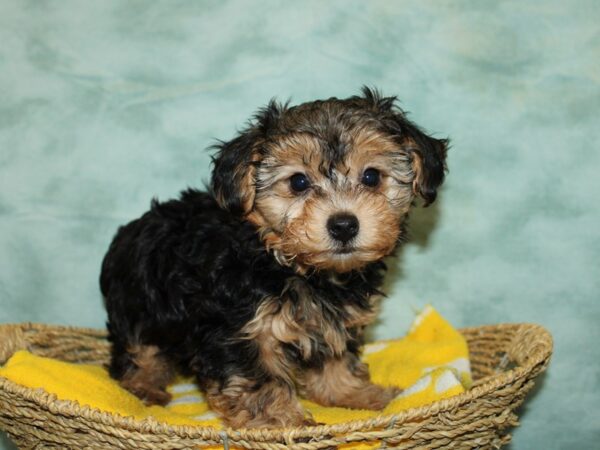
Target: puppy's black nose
[(342, 227)]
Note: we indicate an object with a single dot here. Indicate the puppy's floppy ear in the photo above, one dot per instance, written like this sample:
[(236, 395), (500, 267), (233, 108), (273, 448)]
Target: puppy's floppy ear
[(429, 161), (235, 162), (428, 154), (233, 172)]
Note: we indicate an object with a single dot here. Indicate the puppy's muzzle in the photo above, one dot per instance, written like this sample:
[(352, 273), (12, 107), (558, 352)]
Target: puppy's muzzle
[(343, 227)]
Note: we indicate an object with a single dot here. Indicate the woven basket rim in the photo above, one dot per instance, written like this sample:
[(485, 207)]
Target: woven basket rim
[(48, 401)]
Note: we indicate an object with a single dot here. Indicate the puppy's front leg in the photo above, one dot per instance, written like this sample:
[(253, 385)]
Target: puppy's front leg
[(243, 402), (345, 382)]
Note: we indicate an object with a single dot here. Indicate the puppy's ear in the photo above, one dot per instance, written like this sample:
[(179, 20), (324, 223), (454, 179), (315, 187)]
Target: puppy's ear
[(428, 154), (233, 172), (428, 160), (235, 162)]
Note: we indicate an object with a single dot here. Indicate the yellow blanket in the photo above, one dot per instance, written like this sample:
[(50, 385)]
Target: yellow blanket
[(429, 363)]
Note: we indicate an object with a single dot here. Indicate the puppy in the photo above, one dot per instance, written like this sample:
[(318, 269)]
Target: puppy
[(262, 287)]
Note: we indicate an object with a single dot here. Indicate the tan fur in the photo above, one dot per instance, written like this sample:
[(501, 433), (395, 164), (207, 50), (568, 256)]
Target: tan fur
[(345, 382), (149, 379), (418, 170), (294, 226), (261, 330), (244, 175), (291, 153), (240, 404), (360, 318), (374, 149), (307, 242), (247, 183), (299, 323)]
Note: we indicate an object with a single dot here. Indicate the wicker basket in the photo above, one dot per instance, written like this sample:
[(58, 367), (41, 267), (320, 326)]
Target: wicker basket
[(505, 361)]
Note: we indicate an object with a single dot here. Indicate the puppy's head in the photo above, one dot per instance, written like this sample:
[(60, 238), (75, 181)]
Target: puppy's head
[(329, 183)]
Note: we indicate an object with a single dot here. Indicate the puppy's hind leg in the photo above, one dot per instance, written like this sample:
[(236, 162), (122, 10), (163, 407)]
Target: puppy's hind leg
[(143, 371), (345, 382)]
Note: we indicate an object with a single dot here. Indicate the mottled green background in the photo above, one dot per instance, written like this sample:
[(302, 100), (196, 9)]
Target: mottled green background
[(105, 104)]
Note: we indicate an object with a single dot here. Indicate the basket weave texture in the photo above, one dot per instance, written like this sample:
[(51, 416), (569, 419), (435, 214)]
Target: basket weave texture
[(505, 360)]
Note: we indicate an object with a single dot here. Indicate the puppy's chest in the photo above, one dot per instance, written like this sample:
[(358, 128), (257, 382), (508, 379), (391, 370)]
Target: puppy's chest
[(313, 323)]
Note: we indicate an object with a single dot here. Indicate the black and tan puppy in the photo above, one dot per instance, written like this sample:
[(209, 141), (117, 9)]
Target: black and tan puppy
[(263, 286)]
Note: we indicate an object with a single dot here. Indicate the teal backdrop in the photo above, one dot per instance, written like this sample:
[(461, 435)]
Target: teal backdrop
[(106, 104)]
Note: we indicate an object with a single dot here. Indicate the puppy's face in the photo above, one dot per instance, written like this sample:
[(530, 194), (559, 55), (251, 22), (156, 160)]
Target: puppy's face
[(329, 183), (333, 203)]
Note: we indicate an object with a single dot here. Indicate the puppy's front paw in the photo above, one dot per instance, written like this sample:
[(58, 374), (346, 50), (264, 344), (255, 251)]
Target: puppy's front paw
[(149, 395)]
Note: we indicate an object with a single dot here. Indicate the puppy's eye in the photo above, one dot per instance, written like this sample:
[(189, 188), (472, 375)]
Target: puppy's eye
[(370, 177), (299, 182)]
